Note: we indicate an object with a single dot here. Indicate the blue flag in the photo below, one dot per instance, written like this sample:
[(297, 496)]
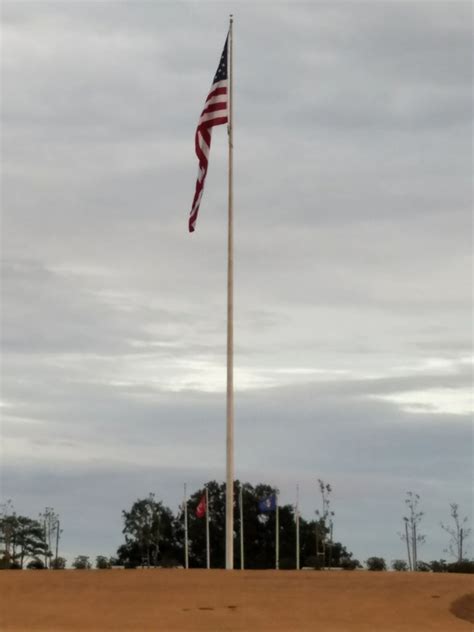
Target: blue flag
[(268, 504)]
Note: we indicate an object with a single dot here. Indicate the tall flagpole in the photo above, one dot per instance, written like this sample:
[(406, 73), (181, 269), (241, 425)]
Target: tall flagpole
[(297, 517), (208, 550), (186, 545), (229, 505), (277, 536), (241, 506)]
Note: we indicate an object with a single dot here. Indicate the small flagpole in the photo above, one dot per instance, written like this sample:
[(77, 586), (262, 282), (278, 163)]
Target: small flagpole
[(186, 546), (297, 517), (208, 552), (277, 535), (229, 508), (241, 504)]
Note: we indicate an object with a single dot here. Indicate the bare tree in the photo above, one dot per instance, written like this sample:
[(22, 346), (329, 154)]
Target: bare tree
[(459, 533), (411, 535), (50, 521), (7, 528), (326, 516)]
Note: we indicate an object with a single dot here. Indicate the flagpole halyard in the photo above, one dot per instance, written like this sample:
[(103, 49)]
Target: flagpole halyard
[(229, 514)]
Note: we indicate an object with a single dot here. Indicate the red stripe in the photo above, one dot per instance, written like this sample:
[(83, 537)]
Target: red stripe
[(203, 134), (214, 107), (216, 92), (199, 153), (220, 120)]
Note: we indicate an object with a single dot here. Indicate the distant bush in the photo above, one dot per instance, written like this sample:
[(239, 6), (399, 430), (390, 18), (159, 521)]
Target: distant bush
[(376, 564), (399, 565), (58, 563), (423, 567), (287, 564), (314, 561), (464, 566), (4, 562), (36, 564), (102, 562), (169, 562), (349, 564), (81, 563), (439, 566)]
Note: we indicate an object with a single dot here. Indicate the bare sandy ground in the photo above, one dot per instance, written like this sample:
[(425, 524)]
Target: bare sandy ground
[(219, 601)]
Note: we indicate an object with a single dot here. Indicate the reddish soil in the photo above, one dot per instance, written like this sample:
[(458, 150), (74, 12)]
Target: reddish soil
[(220, 601)]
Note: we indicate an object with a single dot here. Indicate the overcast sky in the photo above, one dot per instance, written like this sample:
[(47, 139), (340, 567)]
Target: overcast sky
[(353, 269)]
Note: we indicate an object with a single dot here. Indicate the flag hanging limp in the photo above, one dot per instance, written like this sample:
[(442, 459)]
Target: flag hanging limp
[(201, 508), (268, 504), (214, 113)]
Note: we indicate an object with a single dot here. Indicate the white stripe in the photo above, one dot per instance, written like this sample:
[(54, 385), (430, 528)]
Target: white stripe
[(198, 202), (210, 116), (203, 145), (218, 84), (201, 175), (218, 98)]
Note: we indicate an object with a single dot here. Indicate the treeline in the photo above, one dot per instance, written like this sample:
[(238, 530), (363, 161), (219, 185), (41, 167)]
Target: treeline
[(154, 536), (29, 542)]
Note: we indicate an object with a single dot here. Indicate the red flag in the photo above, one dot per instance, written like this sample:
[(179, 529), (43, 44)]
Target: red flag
[(214, 113), (201, 508)]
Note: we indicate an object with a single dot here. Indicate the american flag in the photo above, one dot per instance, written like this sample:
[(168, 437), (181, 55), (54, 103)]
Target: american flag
[(214, 113)]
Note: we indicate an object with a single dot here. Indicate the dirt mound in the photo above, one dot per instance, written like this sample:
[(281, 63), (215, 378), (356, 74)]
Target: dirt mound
[(464, 607)]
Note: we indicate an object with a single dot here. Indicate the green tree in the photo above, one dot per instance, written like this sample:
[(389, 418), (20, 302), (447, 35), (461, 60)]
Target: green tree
[(148, 530), (259, 532), (21, 538)]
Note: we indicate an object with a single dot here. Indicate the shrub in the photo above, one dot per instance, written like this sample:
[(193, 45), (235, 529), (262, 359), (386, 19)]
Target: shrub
[(376, 564), (314, 561), (168, 561), (423, 567), (81, 563), (464, 566), (58, 563), (36, 564), (439, 566), (348, 564), (4, 562), (399, 565), (102, 562)]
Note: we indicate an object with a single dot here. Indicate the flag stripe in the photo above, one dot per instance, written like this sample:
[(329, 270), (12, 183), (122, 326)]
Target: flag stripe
[(215, 112)]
